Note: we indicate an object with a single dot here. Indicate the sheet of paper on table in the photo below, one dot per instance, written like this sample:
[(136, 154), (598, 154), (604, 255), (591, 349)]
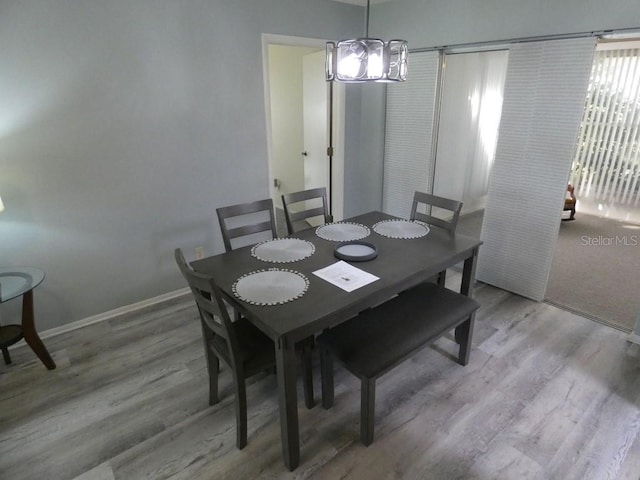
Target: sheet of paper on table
[(345, 276)]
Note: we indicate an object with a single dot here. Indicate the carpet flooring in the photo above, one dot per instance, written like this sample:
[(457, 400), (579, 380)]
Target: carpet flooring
[(596, 270)]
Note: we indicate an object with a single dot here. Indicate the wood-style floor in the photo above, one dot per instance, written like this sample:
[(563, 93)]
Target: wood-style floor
[(547, 395)]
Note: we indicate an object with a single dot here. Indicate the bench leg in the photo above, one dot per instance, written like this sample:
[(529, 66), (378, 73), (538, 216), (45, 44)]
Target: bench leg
[(464, 334), (367, 410), (326, 377)]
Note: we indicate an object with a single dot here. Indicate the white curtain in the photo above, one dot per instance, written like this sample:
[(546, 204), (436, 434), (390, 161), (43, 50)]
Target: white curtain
[(408, 162), (471, 106), (544, 98)]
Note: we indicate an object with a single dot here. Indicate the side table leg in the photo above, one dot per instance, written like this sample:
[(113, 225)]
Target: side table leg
[(30, 334), (6, 356)]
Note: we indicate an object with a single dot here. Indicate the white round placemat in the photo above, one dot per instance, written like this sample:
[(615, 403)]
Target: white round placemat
[(401, 229), (342, 232), (273, 286), (283, 250)]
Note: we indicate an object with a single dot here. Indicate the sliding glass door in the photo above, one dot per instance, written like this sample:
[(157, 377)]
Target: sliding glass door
[(606, 167), (470, 111)]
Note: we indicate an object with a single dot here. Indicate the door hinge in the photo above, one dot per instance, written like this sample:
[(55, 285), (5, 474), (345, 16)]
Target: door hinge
[(329, 151)]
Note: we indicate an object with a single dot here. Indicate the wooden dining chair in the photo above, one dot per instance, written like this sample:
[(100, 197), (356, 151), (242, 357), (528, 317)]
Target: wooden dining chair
[(449, 211), (239, 344), (446, 218), (299, 207), (248, 222)]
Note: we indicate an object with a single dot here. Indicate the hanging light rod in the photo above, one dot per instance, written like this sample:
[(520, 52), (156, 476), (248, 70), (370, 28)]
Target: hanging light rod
[(367, 59), (625, 33)]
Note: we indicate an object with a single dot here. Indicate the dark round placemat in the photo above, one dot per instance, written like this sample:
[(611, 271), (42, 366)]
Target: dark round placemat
[(355, 251)]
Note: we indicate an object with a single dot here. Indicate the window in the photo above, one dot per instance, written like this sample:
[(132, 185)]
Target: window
[(606, 167)]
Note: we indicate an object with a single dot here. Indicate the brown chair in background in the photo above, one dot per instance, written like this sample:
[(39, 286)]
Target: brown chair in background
[(297, 219), (260, 219), (245, 349), (570, 203)]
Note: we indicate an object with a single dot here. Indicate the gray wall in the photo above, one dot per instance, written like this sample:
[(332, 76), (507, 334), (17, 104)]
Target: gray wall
[(428, 23), (123, 125)]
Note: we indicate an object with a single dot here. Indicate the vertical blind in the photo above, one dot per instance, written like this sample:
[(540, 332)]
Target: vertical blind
[(409, 135), (606, 168), (545, 88)]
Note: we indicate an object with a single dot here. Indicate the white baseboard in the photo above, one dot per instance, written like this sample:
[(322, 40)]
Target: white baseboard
[(634, 338), (52, 332)]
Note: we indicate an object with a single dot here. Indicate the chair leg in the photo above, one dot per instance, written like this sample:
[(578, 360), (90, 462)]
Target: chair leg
[(326, 377), (442, 278), (213, 365), (307, 376), (241, 413), (367, 410)]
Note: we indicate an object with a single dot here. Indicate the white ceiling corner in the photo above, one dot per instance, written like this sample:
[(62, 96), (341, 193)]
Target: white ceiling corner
[(362, 3)]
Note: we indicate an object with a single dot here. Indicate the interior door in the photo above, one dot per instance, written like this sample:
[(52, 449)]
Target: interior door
[(315, 120), (293, 128)]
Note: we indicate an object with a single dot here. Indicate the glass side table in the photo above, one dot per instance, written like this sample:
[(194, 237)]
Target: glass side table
[(16, 282)]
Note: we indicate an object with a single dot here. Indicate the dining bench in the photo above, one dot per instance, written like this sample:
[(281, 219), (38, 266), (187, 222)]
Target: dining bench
[(378, 339)]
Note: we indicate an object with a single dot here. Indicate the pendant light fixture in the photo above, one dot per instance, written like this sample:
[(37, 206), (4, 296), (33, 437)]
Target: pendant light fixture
[(367, 59)]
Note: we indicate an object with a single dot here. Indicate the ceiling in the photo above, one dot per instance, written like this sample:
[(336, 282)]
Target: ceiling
[(362, 3)]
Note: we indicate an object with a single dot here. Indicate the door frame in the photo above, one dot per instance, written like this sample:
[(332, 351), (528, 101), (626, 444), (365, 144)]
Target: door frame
[(337, 121)]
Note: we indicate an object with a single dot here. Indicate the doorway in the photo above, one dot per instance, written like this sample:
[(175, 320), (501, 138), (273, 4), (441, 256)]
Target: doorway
[(468, 124), (304, 118), (595, 267)]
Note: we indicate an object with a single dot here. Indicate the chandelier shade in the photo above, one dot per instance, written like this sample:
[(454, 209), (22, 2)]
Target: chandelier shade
[(367, 60)]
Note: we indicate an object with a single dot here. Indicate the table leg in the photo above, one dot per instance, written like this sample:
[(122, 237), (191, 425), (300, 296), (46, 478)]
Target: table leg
[(286, 371), (30, 334), (469, 274), (463, 332)]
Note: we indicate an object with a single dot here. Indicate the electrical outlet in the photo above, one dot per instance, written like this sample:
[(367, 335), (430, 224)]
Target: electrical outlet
[(199, 253)]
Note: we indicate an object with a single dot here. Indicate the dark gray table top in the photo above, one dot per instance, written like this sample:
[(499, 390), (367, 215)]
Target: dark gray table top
[(400, 264)]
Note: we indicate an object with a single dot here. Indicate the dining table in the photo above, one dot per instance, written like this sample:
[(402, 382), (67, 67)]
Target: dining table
[(404, 258)]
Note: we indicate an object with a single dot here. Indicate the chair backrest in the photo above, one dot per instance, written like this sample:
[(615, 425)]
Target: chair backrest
[(430, 201), (246, 219), (217, 327), (315, 196)]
